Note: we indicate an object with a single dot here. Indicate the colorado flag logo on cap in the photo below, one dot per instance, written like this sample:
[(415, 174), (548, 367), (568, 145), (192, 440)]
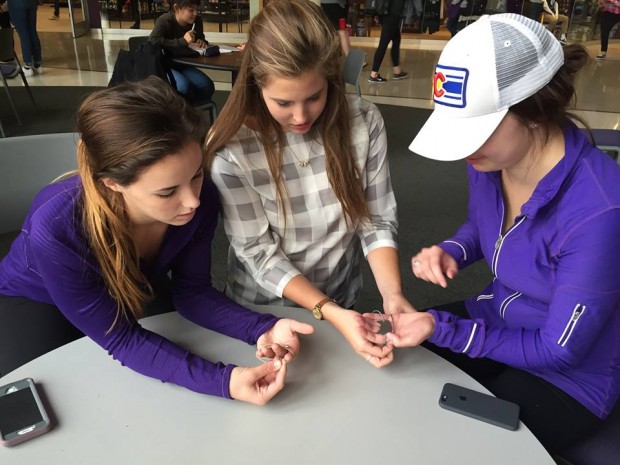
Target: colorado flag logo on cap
[(450, 85)]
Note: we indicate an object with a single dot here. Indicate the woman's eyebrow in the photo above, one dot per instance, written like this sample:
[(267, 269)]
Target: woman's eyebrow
[(174, 187)]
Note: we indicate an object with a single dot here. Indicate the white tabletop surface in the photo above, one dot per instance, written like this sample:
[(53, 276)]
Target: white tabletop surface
[(335, 409)]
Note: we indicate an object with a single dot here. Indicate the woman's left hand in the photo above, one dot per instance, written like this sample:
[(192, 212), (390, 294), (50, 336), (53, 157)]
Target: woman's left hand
[(282, 340), (397, 303), (201, 43)]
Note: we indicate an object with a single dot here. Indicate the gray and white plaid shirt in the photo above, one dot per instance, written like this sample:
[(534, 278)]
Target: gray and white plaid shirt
[(266, 251)]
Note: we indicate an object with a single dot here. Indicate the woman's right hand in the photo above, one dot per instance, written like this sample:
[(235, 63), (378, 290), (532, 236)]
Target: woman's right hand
[(408, 329), (375, 353), (189, 37), (257, 385), (433, 264)]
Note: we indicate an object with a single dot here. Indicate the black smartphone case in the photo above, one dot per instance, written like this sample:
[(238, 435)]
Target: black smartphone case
[(480, 406)]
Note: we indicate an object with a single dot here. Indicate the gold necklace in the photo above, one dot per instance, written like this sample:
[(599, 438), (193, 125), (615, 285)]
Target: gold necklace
[(306, 162)]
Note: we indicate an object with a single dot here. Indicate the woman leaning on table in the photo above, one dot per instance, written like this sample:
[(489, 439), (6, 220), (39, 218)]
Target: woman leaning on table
[(95, 246), (303, 175), (544, 212)]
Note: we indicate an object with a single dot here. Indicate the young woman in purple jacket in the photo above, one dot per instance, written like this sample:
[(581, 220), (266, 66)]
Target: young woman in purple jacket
[(95, 247), (544, 212)]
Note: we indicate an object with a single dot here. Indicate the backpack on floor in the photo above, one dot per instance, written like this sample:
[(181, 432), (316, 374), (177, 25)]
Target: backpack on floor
[(136, 65)]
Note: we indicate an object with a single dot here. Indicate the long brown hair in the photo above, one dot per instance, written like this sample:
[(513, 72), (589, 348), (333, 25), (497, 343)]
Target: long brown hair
[(286, 39), (124, 130)]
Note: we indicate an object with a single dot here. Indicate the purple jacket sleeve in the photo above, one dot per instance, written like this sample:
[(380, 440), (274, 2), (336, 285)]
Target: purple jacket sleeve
[(75, 287), (586, 293), (197, 300)]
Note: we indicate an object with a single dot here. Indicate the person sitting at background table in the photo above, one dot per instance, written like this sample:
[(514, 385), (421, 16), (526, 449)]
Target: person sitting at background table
[(94, 246), (303, 176), (544, 211), (175, 30)]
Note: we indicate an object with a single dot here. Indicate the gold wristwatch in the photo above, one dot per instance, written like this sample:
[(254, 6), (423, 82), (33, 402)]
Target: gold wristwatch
[(316, 310)]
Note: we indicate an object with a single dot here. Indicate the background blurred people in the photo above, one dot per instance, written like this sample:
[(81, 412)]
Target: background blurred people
[(610, 16), (552, 17), (24, 18), (134, 8), (390, 18), (56, 14)]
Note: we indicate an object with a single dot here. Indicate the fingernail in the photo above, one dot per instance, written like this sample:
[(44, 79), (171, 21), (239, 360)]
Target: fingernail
[(277, 364)]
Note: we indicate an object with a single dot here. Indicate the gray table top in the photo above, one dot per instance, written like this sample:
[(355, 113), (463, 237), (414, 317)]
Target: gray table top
[(335, 409)]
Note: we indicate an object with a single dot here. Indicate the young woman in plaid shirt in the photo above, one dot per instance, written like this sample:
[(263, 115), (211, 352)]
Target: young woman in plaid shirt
[(303, 175)]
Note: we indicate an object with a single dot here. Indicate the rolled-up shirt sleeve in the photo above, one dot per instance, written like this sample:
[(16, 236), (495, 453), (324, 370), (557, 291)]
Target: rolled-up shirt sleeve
[(381, 230)]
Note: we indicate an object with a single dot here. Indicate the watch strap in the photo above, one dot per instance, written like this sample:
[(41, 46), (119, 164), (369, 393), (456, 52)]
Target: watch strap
[(316, 310)]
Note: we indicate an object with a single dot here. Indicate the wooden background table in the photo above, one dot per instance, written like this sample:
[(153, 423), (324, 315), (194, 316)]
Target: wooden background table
[(223, 62)]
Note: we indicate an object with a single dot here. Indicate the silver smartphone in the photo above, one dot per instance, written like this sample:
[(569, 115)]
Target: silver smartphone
[(480, 406), (22, 414)]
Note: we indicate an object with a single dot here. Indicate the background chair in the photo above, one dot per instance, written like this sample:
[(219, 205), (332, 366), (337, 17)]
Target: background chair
[(211, 108), (28, 164), (352, 68), (8, 56), (136, 41), (608, 140)]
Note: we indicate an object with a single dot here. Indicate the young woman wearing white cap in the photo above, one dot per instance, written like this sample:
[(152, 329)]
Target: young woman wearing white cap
[(544, 212)]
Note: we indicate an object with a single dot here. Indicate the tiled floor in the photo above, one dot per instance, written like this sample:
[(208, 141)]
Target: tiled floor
[(88, 61)]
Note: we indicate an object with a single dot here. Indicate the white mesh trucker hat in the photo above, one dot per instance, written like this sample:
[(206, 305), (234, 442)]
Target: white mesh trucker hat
[(486, 68)]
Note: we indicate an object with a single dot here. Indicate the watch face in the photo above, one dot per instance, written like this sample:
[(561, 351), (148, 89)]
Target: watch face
[(317, 313)]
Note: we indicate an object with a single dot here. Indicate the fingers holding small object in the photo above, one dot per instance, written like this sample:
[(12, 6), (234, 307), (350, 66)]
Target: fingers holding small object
[(290, 351), (379, 362), (383, 361), (269, 352)]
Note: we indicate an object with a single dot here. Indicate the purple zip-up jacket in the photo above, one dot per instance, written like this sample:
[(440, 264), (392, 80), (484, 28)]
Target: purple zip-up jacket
[(50, 261), (553, 308)]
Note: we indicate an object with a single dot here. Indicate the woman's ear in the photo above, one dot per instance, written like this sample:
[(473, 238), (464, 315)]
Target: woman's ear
[(112, 185)]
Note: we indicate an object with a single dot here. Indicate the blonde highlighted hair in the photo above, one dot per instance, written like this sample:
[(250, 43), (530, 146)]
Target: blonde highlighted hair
[(124, 130), (286, 39)]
